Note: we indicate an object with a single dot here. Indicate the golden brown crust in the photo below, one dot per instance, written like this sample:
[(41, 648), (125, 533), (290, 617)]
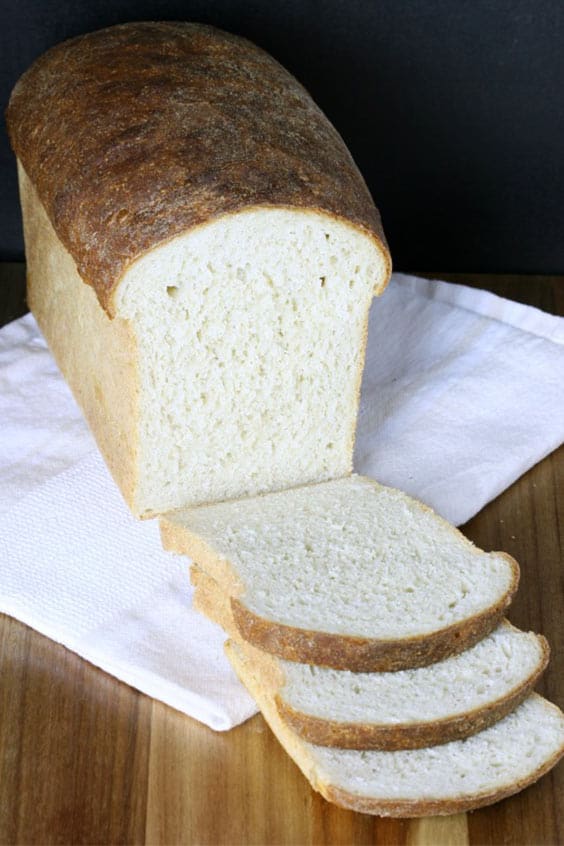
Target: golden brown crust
[(211, 600), (136, 133), (96, 354), (323, 732), (184, 542), (361, 654)]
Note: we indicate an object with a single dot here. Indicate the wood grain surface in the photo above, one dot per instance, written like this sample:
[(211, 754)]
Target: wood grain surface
[(84, 759)]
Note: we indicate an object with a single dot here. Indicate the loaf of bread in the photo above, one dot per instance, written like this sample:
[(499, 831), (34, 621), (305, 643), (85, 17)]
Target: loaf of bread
[(202, 253), (448, 779), (347, 574)]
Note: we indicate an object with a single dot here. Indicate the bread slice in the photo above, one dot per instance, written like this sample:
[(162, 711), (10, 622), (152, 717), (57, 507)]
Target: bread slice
[(346, 574), (407, 709), (202, 254), (448, 779)]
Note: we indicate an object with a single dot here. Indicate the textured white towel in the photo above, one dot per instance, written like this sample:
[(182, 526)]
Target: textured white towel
[(462, 393)]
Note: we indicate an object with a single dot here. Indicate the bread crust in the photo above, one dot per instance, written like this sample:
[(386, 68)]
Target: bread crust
[(136, 133), (96, 354), (368, 655)]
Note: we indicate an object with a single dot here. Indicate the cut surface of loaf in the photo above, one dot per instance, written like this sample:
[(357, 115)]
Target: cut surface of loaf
[(185, 201), (447, 779), (250, 343), (406, 709), (347, 574)]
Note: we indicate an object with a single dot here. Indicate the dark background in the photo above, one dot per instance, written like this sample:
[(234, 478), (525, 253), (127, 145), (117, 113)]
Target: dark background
[(453, 110)]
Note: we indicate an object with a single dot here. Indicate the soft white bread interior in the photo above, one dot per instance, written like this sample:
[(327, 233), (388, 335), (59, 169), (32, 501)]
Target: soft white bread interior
[(447, 779), (233, 363), (347, 573), (251, 334), (406, 709)]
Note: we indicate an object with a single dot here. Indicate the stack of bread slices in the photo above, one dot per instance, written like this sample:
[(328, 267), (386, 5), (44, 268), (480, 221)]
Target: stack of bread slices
[(372, 636)]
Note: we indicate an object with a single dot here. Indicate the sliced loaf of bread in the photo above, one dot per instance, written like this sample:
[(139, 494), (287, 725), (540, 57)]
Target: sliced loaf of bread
[(346, 574), (451, 778), (406, 709), (202, 254)]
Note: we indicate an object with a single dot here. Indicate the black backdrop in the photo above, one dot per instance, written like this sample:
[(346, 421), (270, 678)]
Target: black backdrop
[(453, 110)]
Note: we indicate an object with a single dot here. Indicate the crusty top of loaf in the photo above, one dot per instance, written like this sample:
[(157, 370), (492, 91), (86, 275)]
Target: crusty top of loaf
[(135, 133)]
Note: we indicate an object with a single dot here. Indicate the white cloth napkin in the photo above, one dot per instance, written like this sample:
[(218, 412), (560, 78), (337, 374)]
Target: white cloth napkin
[(462, 393)]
